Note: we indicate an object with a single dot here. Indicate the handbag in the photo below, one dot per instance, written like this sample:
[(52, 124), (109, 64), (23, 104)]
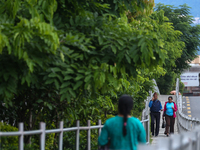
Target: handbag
[(163, 124), (164, 113)]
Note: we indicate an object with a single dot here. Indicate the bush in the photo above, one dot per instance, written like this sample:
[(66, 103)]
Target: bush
[(11, 142)]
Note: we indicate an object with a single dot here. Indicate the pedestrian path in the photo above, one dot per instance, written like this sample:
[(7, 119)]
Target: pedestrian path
[(163, 99)]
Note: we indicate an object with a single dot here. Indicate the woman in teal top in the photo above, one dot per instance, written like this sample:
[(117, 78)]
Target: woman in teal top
[(123, 132)]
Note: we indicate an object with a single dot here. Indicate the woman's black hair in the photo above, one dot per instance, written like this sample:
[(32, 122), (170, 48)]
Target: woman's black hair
[(170, 97), (125, 106), (155, 94)]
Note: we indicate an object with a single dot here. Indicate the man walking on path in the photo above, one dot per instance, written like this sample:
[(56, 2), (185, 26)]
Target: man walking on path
[(155, 108)]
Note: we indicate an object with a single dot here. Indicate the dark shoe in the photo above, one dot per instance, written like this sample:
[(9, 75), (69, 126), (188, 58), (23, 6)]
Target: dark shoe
[(156, 134), (167, 134)]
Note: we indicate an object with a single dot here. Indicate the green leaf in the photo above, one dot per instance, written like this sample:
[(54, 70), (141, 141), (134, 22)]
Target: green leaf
[(63, 97), (102, 77), (59, 77), (79, 76), (120, 42), (65, 84), (104, 47), (56, 69), (6, 76), (49, 106), (49, 81), (72, 92), (100, 40), (64, 90), (141, 41), (71, 21), (128, 58), (81, 71), (69, 71), (144, 48), (56, 84), (133, 50), (68, 97), (62, 56), (52, 74), (114, 49), (78, 84), (68, 78), (88, 78), (88, 72), (39, 101)]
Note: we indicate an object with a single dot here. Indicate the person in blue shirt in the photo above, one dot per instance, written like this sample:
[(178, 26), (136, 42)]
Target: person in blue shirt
[(155, 108), (123, 132)]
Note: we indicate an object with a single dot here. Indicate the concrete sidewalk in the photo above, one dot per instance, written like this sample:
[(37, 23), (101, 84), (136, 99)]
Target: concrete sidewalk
[(163, 99)]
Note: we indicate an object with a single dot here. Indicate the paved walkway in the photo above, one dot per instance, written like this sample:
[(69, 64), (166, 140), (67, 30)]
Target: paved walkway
[(163, 99)]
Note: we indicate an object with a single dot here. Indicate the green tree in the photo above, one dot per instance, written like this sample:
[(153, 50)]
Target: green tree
[(71, 60), (182, 21)]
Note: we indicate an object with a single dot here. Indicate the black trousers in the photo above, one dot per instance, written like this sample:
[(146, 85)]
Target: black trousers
[(155, 116)]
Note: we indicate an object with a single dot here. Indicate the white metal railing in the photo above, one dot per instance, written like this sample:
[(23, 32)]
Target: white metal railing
[(185, 123), (42, 131), (145, 116)]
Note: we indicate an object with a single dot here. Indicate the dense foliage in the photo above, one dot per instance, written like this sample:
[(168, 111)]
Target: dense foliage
[(182, 21), (71, 60)]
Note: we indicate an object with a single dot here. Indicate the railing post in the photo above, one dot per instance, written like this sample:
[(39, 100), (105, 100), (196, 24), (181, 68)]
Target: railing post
[(180, 101), (21, 137), (181, 141), (99, 130), (151, 94), (77, 134), (148, 130), (195, 145), (42, 135), (170, 143), (88, 136), (177, 87), (194, 124), (61, 136), (198, 138), (143, 119)]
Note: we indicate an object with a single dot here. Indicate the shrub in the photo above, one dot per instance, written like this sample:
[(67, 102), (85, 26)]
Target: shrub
[(11, 142)]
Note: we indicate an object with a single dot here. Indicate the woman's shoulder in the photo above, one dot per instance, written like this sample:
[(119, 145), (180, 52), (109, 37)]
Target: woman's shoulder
[(134, 119), (114, 118), (136, 122)]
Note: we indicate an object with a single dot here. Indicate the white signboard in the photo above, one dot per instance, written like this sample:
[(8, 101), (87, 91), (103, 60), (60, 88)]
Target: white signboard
[(190, 79)]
